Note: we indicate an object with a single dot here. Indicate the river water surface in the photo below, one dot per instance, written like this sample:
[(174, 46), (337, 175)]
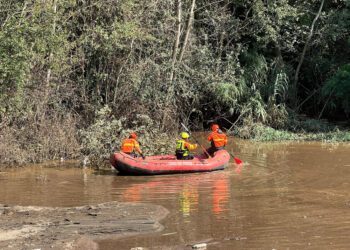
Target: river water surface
[(285, 196)]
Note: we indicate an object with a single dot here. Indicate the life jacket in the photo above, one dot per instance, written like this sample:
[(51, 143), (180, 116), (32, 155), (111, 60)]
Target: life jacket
[(218, 139), (129, 145), (183, 148)]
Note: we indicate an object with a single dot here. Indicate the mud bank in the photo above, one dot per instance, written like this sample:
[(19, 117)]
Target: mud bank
[(76, 227)]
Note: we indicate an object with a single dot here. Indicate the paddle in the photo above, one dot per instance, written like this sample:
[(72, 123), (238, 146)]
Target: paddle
[(238, 161), (143, 157), (188, 131)]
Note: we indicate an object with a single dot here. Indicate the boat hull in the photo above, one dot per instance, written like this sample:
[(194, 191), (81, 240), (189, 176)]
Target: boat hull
[(168, 164)]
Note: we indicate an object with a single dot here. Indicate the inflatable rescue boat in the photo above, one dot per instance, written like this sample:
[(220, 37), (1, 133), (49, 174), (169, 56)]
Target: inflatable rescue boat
[(168, 164)]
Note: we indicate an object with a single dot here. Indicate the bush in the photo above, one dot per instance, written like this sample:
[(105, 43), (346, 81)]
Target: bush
[(314, 130), (105, 135), (50, 139)]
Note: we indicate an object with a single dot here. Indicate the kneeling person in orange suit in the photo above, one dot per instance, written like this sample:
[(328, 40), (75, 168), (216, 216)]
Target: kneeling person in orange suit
[(183, 148), (217, 139), (130, 145)]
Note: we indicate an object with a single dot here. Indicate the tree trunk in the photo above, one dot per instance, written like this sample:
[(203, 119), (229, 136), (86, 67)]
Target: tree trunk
[(119, 71), (177, 41), (41, 108), (48, 76), (187, 30), (218, 62), (296, 77)]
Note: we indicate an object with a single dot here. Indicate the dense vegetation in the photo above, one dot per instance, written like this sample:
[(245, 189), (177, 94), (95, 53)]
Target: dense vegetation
[(77, 75)]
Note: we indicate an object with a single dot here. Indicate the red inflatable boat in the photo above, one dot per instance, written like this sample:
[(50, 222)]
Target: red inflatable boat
[(167, 164)]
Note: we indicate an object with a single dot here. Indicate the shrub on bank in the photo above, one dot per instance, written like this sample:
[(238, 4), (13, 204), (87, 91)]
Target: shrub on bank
[(49, 139), (308, 130), (105, 135), (260, 132)]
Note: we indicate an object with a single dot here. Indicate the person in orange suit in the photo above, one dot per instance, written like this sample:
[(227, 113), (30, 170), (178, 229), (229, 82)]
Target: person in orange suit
[(130, 144), (217, 139)]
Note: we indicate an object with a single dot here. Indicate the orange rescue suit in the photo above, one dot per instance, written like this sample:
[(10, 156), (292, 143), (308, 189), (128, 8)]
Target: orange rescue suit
[(128, 145), (219, 139)]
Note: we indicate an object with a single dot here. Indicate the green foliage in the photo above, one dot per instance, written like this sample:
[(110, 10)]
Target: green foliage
[(99, 140), (256, 68), (108, 39), (280, 88), (14, 54), (312, 125), (339, 23), (228, 92), (260, 132), (257, 108), (338, 87), (109, 62), (105, 135)]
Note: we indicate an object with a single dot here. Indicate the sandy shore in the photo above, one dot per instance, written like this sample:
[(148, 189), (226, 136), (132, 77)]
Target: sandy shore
[(76, 227)]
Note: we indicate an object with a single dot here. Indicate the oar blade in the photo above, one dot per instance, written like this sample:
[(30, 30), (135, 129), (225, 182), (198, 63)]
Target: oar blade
[(238, 161)]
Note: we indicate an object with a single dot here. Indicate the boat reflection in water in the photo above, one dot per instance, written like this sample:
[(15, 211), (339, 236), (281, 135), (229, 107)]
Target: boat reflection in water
[(220, 196), (189, 192), (188, 199)]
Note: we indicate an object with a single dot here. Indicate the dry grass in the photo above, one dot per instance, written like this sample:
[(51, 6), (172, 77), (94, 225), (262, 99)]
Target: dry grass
[(52, 138)]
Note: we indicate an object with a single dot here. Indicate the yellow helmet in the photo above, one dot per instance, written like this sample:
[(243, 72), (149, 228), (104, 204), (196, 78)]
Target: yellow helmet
[(185, 135)]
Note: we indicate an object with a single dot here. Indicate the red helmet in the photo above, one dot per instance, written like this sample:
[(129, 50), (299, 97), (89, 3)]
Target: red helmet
[(215, 127), (133, 135)]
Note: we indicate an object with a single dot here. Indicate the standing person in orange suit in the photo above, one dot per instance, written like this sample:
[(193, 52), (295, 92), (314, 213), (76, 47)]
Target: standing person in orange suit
[(130, 144), (217, 139)]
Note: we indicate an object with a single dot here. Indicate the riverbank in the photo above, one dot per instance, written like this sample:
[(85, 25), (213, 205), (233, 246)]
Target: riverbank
[(31, 227), (93, 145), (309, 130)]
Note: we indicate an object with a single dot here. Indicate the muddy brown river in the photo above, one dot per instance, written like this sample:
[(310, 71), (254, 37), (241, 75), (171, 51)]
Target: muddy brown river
[(285, 196)]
